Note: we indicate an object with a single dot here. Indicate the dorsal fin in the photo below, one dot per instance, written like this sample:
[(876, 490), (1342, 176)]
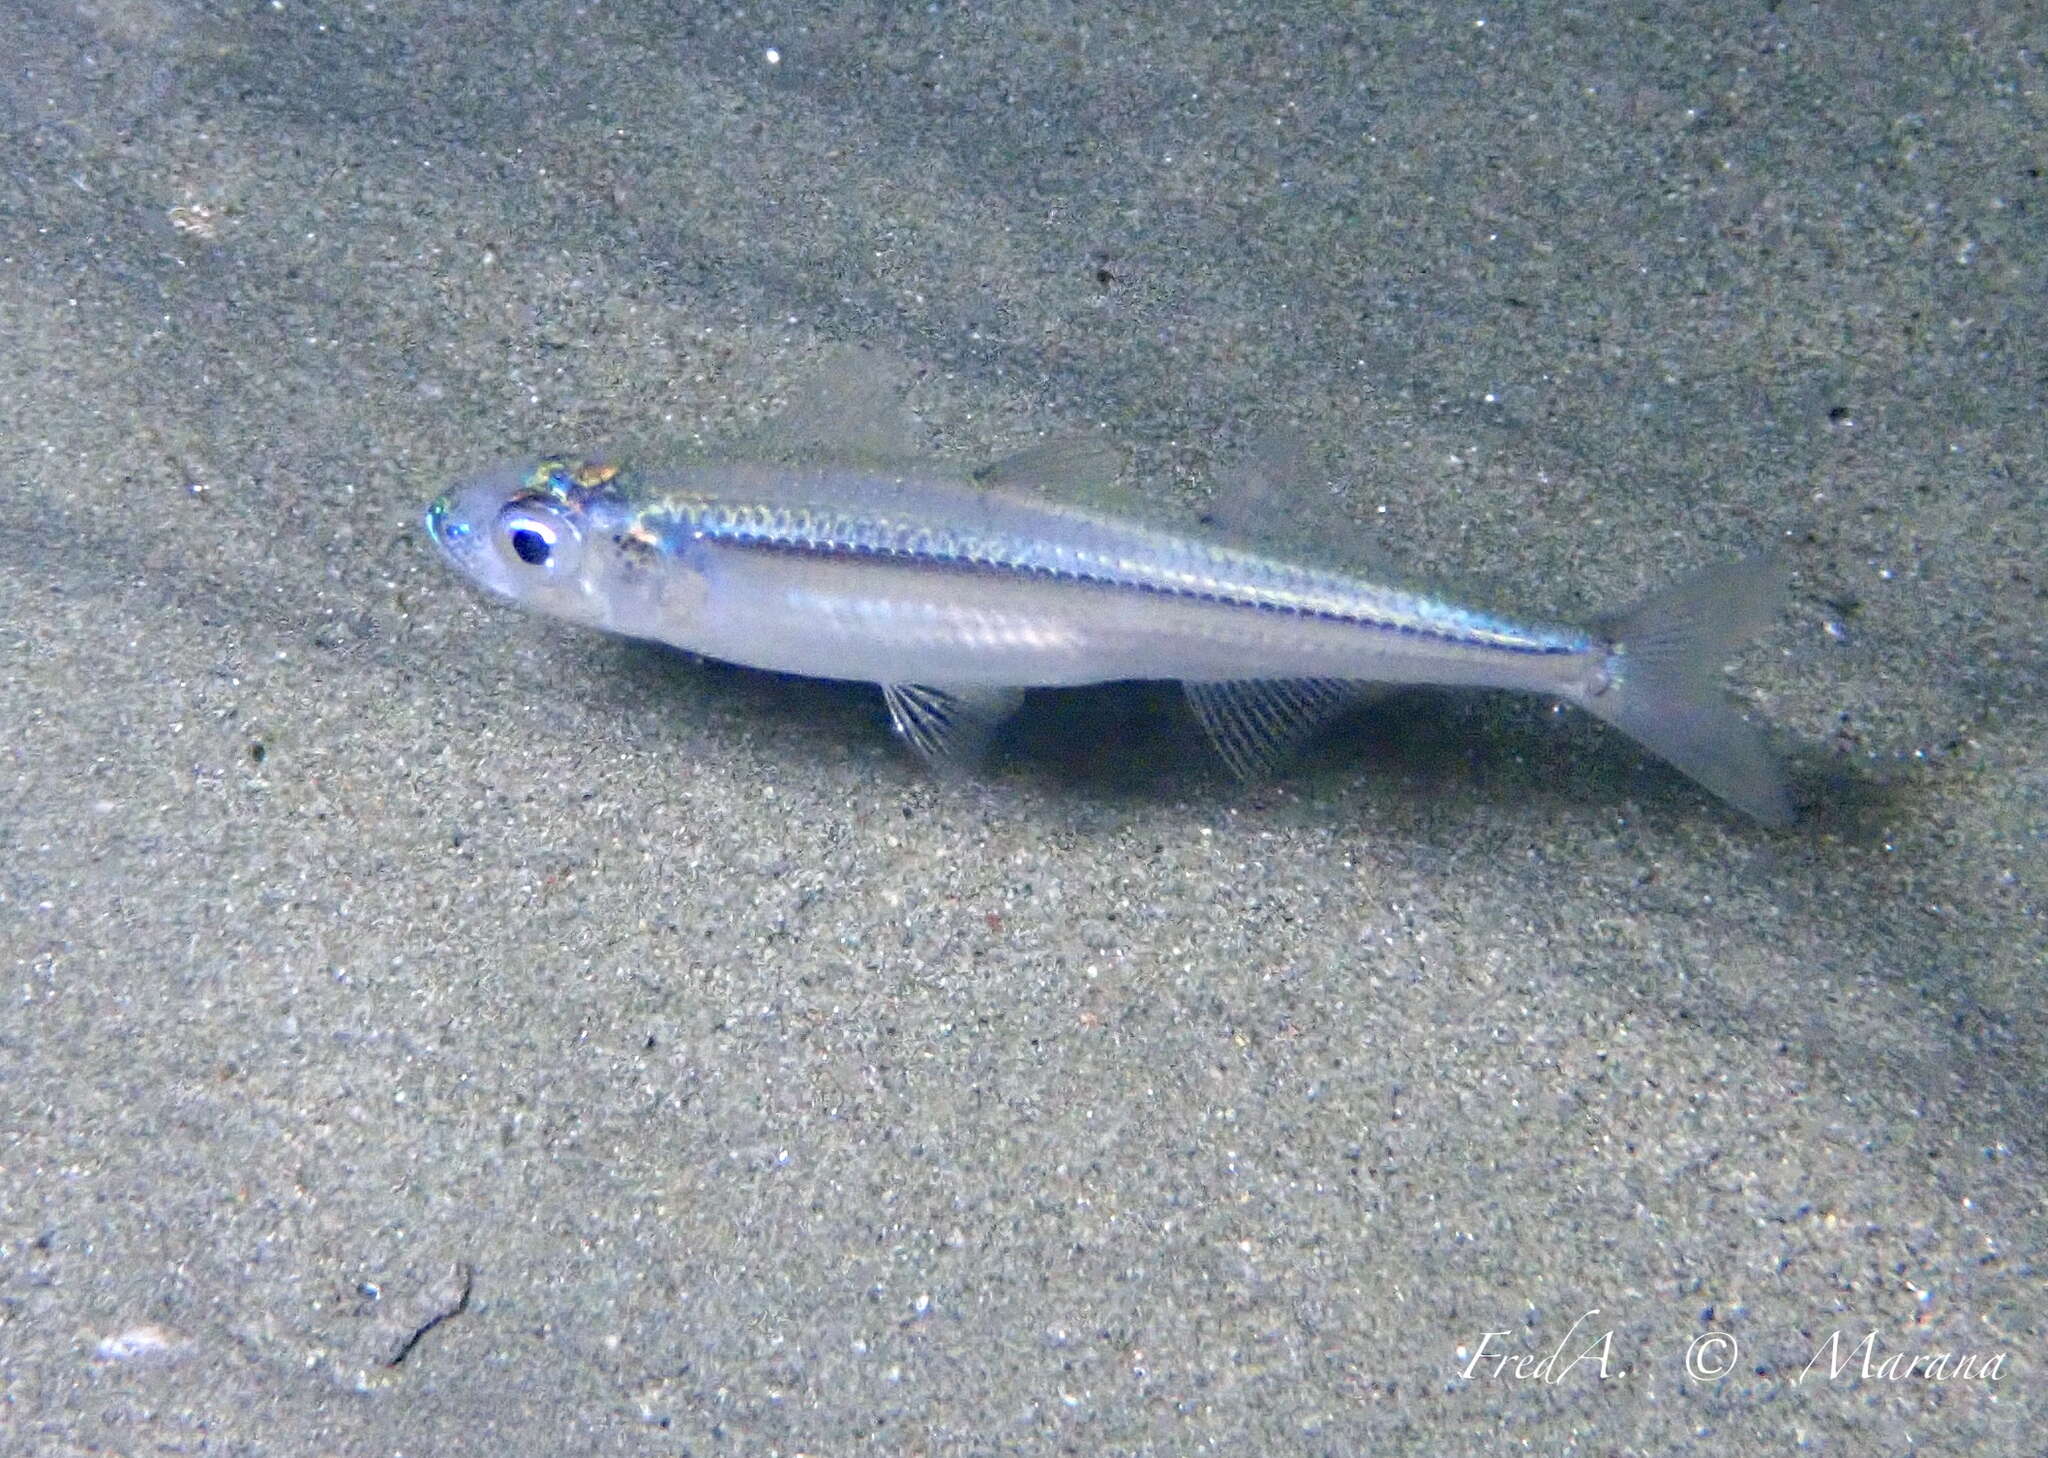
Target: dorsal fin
[(1080, 466), (848, 406), (1270, 500)]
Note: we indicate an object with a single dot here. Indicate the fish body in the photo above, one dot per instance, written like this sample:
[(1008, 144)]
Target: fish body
[(955, 598)]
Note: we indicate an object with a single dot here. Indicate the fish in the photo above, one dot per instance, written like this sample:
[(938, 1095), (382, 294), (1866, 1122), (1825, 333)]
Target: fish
[(956, 592)]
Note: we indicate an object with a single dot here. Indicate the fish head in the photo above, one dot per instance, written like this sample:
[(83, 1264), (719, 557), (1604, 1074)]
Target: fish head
[(531, 532)]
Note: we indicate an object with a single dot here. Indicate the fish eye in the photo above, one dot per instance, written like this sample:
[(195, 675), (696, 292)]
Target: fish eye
[(539, 534), (533, 546)]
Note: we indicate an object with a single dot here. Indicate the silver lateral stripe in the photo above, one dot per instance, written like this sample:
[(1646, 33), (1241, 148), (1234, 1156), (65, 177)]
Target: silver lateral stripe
[(1114, 557)]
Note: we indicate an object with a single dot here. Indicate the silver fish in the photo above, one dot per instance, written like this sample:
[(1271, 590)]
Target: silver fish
[(955, 597)]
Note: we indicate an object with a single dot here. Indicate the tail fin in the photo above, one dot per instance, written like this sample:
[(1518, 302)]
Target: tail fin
[(1662, 685)]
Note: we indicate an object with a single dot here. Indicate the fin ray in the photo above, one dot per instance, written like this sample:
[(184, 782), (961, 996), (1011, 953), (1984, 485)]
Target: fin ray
[(1272, 501), (1663, 683), (850, 405), (1254, 722), (949, 727), (1083, 464)]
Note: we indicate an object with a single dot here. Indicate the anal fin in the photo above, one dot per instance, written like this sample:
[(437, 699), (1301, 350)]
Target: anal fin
[(949, 727), (1255, 722)]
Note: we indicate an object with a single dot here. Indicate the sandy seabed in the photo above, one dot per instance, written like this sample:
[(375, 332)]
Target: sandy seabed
[(430, 1030)]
